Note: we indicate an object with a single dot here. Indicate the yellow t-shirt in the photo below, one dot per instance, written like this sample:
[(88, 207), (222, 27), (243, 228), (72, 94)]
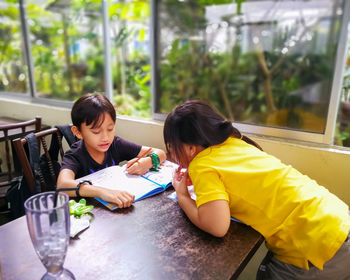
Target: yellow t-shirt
[(300, 220)]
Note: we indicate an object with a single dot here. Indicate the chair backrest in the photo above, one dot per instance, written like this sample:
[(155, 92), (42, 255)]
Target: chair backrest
[(9, 132), (51, 156)]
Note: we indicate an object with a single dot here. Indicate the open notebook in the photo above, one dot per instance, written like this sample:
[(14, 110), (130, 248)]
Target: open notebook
[(116, 178)]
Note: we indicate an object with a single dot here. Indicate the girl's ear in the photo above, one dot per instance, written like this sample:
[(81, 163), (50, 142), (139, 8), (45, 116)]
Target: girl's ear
[(76, 132), (194, 150)]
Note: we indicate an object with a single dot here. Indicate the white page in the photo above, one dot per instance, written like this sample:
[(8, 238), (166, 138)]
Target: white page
[(116, 178), (164, 175)]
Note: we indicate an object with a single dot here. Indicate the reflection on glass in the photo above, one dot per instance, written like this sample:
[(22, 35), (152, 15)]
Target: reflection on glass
[(129, 30), (260, 62), (13, 68), (66, 46), (342, 133)]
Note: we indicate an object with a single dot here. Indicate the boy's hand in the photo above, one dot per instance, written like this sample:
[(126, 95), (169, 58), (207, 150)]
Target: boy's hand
[(123, 199), (137, 166)]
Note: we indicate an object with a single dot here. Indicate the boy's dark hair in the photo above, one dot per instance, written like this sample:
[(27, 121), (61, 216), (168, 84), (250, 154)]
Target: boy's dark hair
[(197, 123), (90, 108)]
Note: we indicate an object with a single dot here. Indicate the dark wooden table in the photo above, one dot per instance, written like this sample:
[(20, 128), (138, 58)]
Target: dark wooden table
[(153, 239)]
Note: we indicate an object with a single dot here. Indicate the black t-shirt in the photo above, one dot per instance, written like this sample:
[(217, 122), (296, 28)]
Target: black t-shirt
[(81, 163)]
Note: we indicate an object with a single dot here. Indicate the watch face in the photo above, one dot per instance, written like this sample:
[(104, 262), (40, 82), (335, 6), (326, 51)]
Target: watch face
[(85, 181)]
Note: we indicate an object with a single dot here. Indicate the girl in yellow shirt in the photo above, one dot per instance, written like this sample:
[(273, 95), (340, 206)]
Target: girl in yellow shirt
[(306, 228)]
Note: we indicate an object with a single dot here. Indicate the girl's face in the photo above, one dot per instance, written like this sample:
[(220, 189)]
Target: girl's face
[(98, 139)]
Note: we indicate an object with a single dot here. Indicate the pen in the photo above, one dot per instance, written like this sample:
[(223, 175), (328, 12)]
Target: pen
[(141, 156)]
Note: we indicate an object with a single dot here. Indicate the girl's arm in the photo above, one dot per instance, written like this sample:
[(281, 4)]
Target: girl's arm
[(212, 217), (66, 180), (145, 163)]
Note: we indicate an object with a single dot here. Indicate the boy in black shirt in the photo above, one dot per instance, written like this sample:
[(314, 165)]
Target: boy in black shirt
[(94, 118)]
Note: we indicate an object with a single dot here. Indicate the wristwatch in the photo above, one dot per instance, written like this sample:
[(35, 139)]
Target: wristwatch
[(80, 184)]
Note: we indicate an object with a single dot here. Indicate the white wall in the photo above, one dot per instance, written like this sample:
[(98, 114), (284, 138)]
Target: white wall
[(329, 166)]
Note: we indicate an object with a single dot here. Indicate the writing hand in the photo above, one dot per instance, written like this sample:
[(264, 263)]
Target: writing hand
[(131, 162), (138, 166)]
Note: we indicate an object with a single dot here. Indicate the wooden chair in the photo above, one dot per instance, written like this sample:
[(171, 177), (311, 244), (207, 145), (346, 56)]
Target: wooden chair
[(42, 138), (7, 133)]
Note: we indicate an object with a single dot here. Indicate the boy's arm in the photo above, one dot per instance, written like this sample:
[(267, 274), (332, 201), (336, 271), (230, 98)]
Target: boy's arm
[(144, 164), (66, 180)]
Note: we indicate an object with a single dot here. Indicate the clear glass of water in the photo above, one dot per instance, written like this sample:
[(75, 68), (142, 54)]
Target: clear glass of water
[(49, 226)]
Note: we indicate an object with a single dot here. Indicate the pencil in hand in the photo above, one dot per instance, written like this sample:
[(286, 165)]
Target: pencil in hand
[(140, 157)]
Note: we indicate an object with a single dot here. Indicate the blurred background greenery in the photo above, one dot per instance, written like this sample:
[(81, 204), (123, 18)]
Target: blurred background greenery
[(268, 63)]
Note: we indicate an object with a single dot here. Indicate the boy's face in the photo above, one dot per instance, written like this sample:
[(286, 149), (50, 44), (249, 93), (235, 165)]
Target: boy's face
[(98, 139)]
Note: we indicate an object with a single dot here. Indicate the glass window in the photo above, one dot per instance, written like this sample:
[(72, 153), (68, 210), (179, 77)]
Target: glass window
[(266, 63), (342, 134), (13, 66), (129, 23), (67, 47), (271, 66)]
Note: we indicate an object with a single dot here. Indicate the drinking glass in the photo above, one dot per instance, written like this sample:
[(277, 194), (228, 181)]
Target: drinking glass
[(49, 226)]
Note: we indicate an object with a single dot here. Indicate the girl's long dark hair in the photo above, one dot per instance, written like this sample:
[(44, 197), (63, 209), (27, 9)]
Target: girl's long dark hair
[(197, 123)]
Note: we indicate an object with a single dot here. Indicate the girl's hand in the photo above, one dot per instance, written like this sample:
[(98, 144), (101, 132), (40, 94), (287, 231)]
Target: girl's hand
[(179, 182), (123, 199), (138, 166)]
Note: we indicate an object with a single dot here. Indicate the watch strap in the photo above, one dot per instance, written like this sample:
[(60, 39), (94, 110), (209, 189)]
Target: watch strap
[(79, 185)]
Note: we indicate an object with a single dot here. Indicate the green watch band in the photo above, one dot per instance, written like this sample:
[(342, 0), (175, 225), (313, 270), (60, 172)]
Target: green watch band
[(155, 161)]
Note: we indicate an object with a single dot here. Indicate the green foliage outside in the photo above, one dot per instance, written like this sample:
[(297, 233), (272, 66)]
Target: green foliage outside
[(13, 70), (68, 51), (258, 86), (255, 86)]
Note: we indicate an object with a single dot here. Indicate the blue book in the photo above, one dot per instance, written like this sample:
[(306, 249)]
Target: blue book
[(142, 186)]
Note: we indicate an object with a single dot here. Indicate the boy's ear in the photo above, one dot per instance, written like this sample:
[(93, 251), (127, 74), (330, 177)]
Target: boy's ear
[(76, 132)]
